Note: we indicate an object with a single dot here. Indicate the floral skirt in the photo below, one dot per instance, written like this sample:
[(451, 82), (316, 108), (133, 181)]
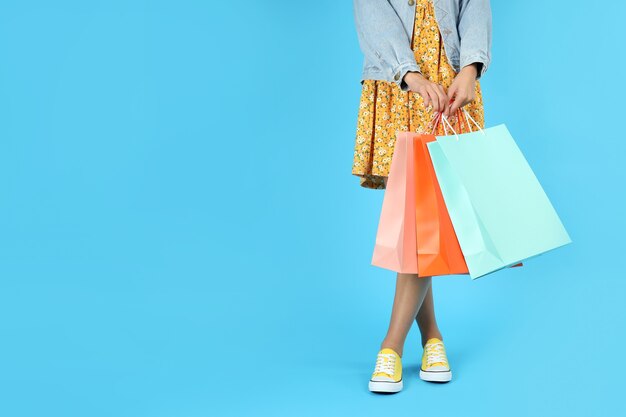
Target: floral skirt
[(385, 109)]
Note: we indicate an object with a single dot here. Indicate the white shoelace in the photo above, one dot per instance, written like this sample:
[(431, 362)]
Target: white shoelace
[(386, 362), (435, 353)]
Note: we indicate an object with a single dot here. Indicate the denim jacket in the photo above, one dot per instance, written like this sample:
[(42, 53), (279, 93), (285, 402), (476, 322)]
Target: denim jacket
[(384, 29)]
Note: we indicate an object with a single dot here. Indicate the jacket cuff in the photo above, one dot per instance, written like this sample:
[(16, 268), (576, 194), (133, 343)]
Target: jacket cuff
[(479, 59), (400, 71)]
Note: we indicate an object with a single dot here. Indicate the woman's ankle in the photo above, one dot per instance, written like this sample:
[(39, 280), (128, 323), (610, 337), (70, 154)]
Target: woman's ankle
[(391, 345), (431, 334)]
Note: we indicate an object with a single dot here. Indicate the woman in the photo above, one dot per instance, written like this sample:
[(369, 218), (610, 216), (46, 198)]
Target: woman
[(423, 58)]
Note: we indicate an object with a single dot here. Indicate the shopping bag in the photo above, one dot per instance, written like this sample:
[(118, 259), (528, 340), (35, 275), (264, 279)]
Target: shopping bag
[(438, 250), (415, 234), (395, 247), (500, 212)]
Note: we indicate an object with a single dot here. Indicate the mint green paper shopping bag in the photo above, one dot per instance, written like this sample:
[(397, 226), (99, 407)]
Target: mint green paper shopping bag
[(500, 213)]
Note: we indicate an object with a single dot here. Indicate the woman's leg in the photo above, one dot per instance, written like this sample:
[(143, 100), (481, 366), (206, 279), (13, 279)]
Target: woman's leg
[(410, 293), (426, 318)]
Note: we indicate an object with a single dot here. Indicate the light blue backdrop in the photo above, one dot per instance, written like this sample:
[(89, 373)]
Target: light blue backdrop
[(180, 233)]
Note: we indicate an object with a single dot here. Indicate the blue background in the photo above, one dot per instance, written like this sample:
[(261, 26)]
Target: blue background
[(180, 233)]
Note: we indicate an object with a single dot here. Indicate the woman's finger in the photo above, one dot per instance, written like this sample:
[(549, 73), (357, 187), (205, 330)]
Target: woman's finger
[(446, 97), (434, 100), (452, 92), (443, 100), (423, 92), (436, 94), (441, 94), (459, 101)]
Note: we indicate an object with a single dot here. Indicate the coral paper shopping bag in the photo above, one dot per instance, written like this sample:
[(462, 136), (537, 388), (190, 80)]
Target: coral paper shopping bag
[(500, 212), (395, 240)]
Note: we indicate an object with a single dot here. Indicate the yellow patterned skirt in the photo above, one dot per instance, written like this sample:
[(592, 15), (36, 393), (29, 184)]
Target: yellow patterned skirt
[(385, 109)]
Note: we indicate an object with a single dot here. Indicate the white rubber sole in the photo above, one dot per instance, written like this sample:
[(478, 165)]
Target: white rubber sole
[(383, 386), (444, 376)]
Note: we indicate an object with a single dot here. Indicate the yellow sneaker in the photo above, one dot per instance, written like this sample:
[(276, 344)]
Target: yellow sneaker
[(387, 376), (435, 367)]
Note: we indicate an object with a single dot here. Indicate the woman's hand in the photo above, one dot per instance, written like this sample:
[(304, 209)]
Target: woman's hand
[(463, 88), (432, 93)]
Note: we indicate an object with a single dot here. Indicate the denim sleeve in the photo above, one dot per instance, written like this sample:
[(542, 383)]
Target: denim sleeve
[(383, 39), (475, 33)]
